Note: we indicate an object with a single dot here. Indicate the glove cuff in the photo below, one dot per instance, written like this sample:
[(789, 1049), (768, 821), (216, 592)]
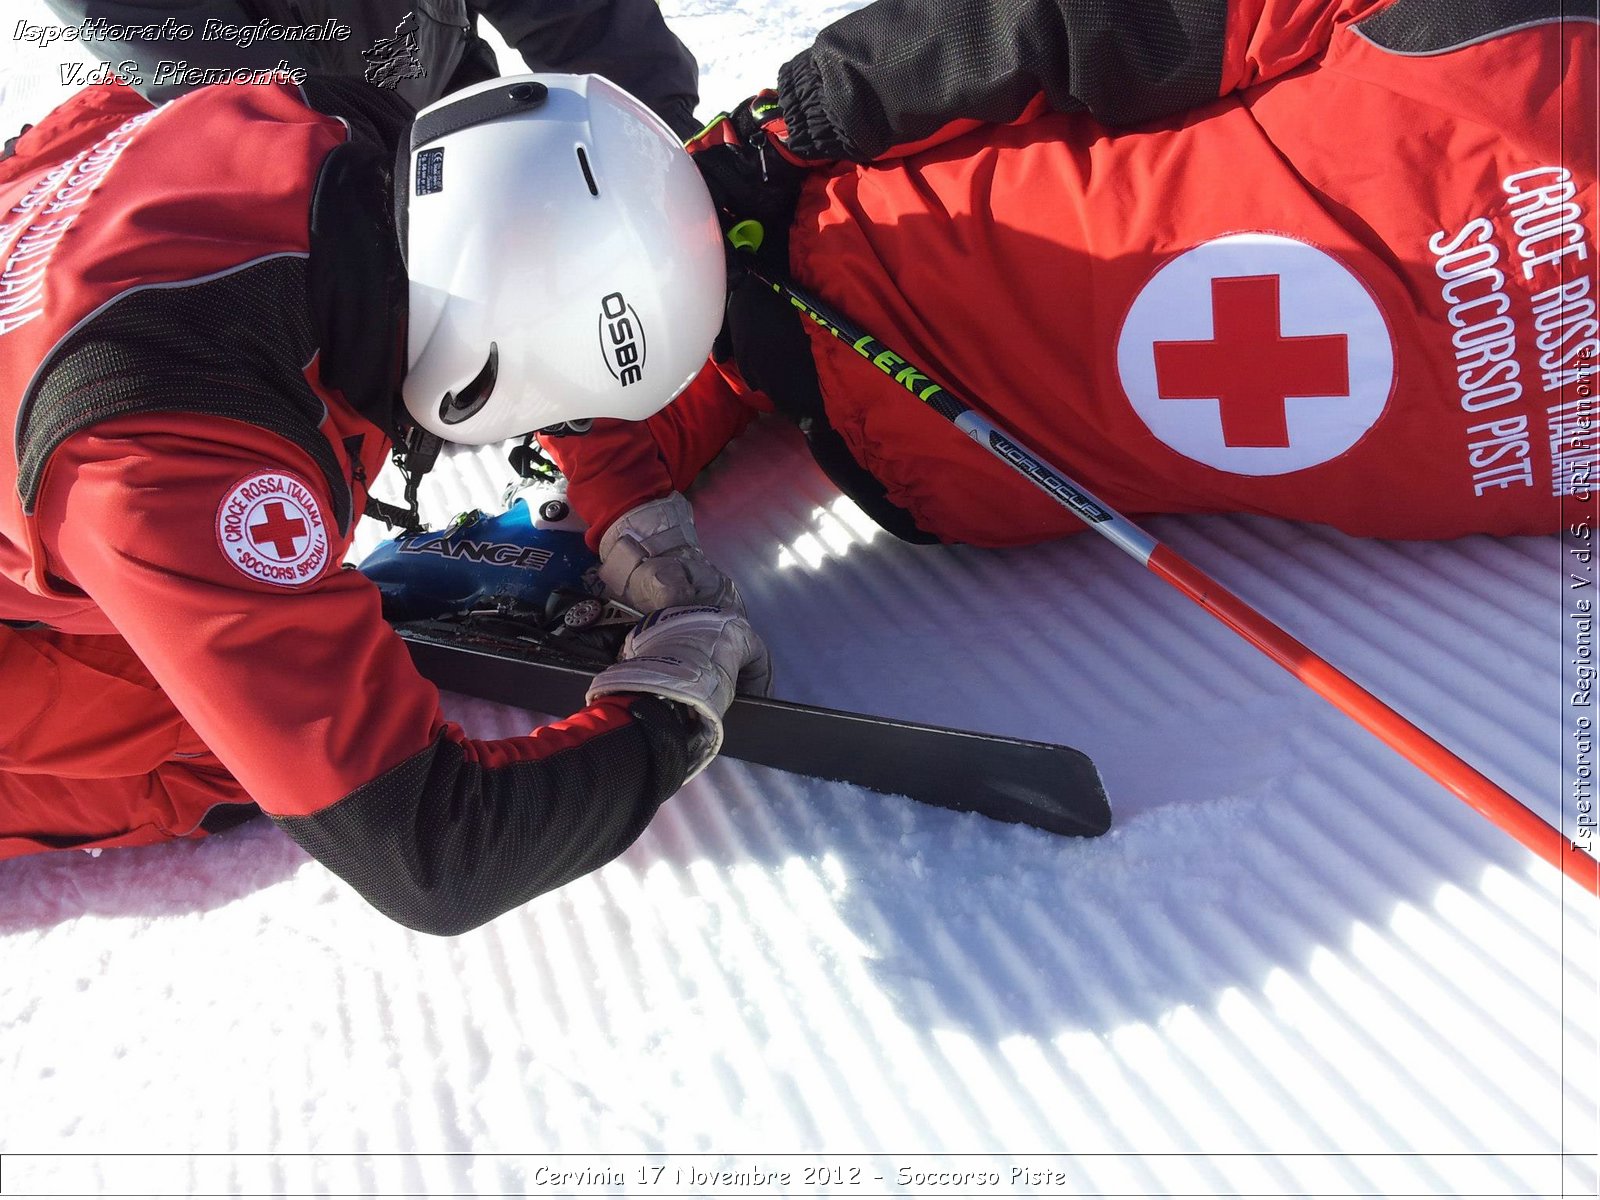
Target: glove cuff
[(652, 528), (627, 678), (692, 656)]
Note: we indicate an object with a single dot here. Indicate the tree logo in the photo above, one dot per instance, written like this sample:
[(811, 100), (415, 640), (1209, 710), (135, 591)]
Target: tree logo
[(392, 59)]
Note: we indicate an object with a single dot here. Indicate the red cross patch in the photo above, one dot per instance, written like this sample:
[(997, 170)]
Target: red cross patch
[(270, 527), (1256, 354)]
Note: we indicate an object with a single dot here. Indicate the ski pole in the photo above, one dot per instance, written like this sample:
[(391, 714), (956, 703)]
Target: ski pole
[(1469, 784)]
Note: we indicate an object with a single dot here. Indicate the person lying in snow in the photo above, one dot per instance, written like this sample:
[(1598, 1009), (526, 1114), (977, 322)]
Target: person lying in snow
[(1332, 262), (204, 355)]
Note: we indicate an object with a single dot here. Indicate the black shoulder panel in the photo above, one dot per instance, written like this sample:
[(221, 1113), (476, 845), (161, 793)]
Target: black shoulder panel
[(226, 346), (1424, 27)]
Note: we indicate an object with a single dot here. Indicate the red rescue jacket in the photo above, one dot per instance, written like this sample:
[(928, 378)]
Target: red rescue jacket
[(1356, 286), (173, 307)]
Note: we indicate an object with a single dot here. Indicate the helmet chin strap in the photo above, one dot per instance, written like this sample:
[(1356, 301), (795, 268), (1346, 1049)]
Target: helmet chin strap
[(531, 465), (414, 457), (418, 451)]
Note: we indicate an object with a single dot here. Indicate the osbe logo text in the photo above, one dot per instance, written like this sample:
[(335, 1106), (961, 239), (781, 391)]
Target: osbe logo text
[(622, 343)]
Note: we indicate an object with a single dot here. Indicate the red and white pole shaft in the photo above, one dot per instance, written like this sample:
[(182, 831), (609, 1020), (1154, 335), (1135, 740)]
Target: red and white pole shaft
[(1468, 783)]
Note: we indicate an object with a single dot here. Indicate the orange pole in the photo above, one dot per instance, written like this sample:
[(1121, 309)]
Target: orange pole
[(1350, 698), (1344, 693)]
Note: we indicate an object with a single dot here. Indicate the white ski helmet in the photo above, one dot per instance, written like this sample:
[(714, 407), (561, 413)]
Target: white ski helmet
[(563, 256)]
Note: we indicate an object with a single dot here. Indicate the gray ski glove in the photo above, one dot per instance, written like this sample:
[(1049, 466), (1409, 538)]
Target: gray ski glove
[(697, 656), (650, 559)]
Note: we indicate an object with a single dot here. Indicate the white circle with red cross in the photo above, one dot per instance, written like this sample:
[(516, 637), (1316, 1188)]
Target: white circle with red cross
[(1256, 354), (270, 527)]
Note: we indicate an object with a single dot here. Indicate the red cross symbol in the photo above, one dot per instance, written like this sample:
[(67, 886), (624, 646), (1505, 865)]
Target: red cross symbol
[(1249, 367), (280, 529)]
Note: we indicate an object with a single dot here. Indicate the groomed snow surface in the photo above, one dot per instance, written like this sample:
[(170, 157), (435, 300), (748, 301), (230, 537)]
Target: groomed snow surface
[(1296, 966)]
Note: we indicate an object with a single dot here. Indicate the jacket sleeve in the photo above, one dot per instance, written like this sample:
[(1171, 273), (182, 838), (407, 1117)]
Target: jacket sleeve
[(619, 465), (311, 701), (627, 41), (900, 75)]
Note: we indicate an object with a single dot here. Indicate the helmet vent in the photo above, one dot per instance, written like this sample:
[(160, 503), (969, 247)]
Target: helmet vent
[(458, 406), (588, 175)]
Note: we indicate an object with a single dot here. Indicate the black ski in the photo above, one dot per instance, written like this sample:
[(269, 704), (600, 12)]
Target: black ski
[(1047, 786)]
